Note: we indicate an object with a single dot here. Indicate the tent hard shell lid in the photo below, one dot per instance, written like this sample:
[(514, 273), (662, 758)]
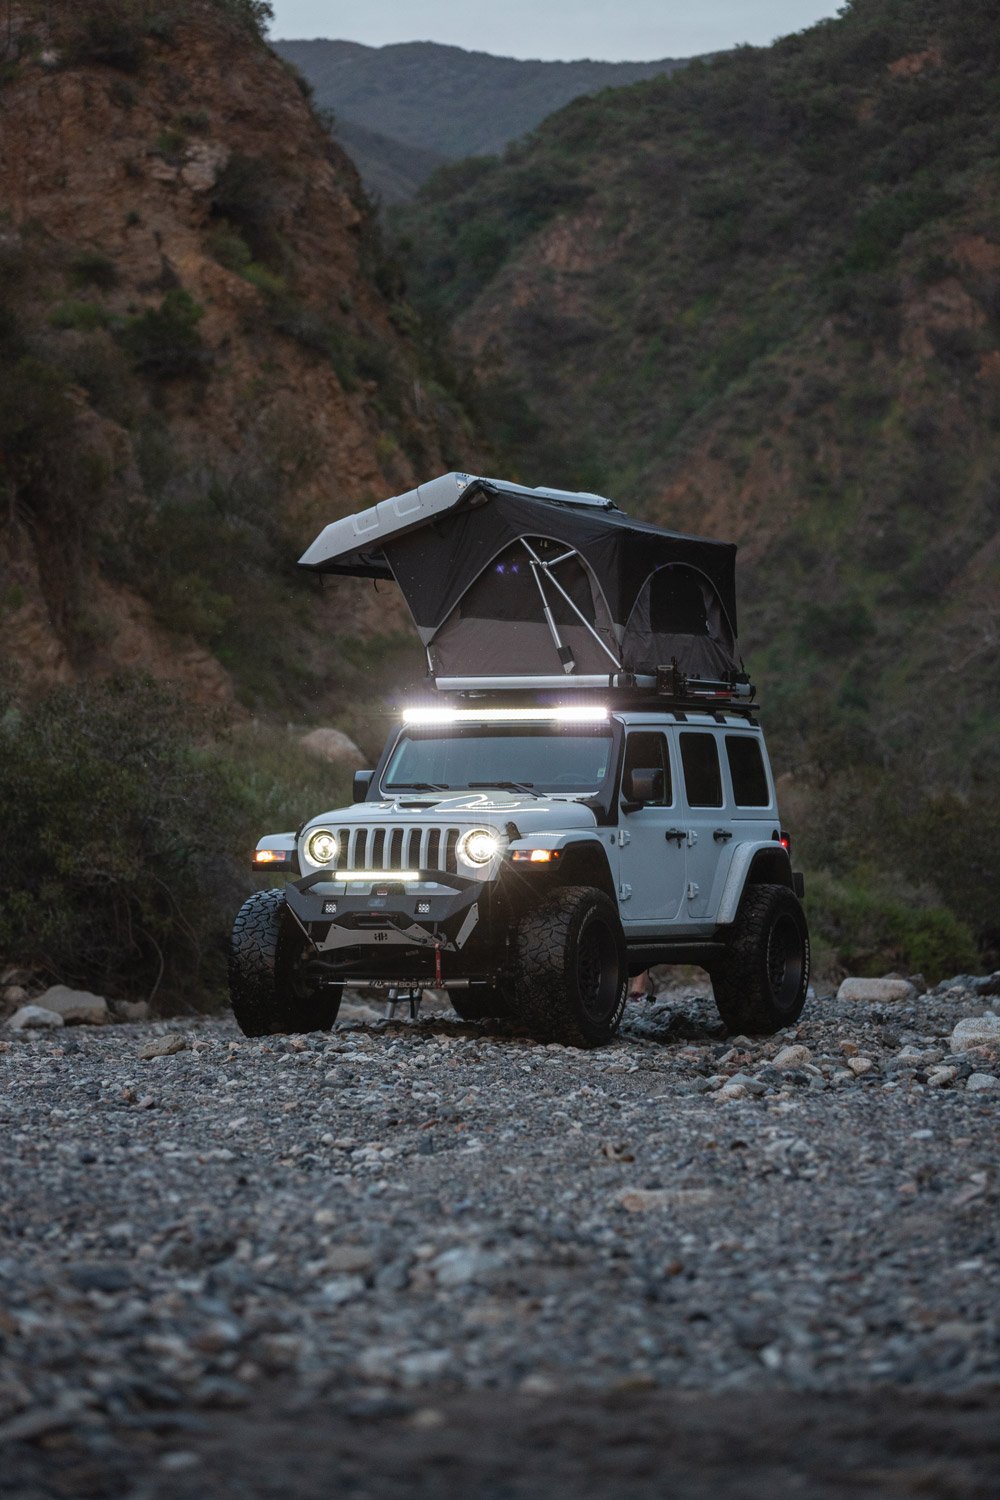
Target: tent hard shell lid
[(517, 587)]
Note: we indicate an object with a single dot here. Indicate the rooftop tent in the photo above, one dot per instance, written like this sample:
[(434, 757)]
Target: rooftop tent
[(505, 581)]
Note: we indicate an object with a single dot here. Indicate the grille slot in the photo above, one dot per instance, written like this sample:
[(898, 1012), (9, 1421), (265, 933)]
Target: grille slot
[(407, 847)]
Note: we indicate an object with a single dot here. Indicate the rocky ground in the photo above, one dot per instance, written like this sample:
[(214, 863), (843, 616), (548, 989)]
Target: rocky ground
[(431, 1258)]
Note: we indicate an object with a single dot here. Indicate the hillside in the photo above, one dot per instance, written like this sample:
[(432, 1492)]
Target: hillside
[(202, 363), (424, 97), (203, 359), (761, 299)]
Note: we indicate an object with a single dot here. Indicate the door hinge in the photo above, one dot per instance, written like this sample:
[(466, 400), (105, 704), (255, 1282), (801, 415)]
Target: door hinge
[(623, 838), (624, 893), (693, 889)]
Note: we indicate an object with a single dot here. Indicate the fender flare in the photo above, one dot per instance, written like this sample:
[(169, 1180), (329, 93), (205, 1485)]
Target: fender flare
[(571, 844), (745, 857)]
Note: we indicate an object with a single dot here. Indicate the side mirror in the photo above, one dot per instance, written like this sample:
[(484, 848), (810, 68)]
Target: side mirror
[(362, 781), (641, 786)]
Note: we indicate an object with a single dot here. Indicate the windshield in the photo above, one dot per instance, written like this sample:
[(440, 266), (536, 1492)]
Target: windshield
[(542, 759)]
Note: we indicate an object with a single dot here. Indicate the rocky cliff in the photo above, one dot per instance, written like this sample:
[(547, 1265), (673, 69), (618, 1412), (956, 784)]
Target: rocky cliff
[(202, 359)]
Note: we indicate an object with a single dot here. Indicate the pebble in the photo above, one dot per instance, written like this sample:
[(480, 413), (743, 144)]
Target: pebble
[(431, 1202), (792, 1057), (162, 1046)]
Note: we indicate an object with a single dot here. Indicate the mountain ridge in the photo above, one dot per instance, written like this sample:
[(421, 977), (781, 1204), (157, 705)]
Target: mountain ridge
[(489, 100)]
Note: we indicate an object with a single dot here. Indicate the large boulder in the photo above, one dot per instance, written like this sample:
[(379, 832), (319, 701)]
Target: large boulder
[(75, 1006), (334, 746), (877, 991)]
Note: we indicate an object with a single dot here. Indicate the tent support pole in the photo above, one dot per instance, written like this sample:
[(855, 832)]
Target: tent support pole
[(547, 567)]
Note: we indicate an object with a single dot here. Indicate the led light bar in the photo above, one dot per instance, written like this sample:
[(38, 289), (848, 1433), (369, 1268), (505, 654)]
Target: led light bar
[(352, 877), (571, 714)]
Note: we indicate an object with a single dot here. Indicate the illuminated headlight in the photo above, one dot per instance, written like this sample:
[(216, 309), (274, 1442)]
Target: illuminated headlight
[(479, 846), (322, 847)]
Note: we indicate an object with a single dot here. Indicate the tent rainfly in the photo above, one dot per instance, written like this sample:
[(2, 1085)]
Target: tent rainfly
[(539, 587)]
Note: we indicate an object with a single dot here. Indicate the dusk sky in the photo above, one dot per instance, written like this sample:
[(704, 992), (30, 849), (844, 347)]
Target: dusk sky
[(633, 30)]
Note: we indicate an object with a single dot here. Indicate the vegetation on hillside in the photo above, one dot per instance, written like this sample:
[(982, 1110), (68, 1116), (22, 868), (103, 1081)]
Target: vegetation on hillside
[(762, 298)]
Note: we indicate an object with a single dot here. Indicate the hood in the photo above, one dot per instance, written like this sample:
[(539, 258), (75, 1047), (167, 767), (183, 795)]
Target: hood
[(531, 814)]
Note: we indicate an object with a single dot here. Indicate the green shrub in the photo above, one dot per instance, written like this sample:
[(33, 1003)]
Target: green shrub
[(861, 927), (245, 197), (164, 342), (81, 315), (122, 834), (229, 248)]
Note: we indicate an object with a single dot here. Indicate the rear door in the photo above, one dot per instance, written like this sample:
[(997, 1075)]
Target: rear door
[(707, 821), (754, 813), (651, 867)]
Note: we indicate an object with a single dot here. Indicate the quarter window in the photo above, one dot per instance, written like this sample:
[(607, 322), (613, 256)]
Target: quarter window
[(702, 772), (746, 767)]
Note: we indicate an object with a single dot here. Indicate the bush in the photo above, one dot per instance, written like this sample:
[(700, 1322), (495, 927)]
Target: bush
[(91, 268), (165, 342), (861, 927), (122, 834)]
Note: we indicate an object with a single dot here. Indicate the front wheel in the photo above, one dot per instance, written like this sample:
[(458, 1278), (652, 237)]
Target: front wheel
[(760, 985), (269, 989), (569, 971)]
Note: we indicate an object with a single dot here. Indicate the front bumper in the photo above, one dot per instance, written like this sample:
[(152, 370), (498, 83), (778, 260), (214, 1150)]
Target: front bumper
[(390, 932)]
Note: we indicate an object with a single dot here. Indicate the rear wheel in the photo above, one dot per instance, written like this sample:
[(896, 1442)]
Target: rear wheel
[(270, 989), (569, 973), (760, 985)]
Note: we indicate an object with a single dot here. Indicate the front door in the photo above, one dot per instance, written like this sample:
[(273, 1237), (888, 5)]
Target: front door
[(651, 842)]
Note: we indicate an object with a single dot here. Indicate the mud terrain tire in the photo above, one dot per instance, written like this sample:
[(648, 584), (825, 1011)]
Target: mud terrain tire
[(569, 971), (760, 985), (268, 994)]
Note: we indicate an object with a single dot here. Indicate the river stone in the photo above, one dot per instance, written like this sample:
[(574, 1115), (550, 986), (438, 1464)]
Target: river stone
[(332, 745), (976, 1031), (982, 1083), (34, 1017), (78, 1006), (792, 1057), (877, 991)]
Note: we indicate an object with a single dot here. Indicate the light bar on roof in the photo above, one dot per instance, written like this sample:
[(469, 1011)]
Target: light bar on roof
[(570, 714)]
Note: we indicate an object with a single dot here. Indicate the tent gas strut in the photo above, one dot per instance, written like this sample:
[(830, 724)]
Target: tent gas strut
[(538, 563)]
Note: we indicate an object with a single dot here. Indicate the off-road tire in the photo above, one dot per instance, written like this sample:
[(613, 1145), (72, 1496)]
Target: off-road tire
[(760, 985), (569, 973), (268, 996)]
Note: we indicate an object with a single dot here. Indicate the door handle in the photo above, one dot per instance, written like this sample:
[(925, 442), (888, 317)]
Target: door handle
[(680, 834), (722, 835)]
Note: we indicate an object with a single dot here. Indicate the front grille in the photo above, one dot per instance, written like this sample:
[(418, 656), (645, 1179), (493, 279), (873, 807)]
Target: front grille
[(398, 847)]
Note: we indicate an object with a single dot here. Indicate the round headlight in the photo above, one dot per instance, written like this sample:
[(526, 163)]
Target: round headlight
[(479, 846), (322, 847)]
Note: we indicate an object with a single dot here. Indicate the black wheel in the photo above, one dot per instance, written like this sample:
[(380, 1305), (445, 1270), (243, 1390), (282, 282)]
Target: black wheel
[(269, 989), (569, 972), (479, 1003), (760, 986)]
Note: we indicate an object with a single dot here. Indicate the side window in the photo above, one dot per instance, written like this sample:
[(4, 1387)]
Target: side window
[(702, 772), (649, 752), (746, 767)]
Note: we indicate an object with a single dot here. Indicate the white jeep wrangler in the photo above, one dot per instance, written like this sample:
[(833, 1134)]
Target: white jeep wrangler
[(584, 793)]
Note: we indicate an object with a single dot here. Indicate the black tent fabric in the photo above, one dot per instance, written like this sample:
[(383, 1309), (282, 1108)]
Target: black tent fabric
[(502, 574)]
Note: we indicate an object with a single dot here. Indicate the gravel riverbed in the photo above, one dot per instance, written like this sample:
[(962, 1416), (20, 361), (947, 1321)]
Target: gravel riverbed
[(434, 1258)]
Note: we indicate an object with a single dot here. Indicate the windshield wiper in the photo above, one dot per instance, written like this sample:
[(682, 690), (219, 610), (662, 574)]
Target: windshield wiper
[(415, 786), (504, 786)]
